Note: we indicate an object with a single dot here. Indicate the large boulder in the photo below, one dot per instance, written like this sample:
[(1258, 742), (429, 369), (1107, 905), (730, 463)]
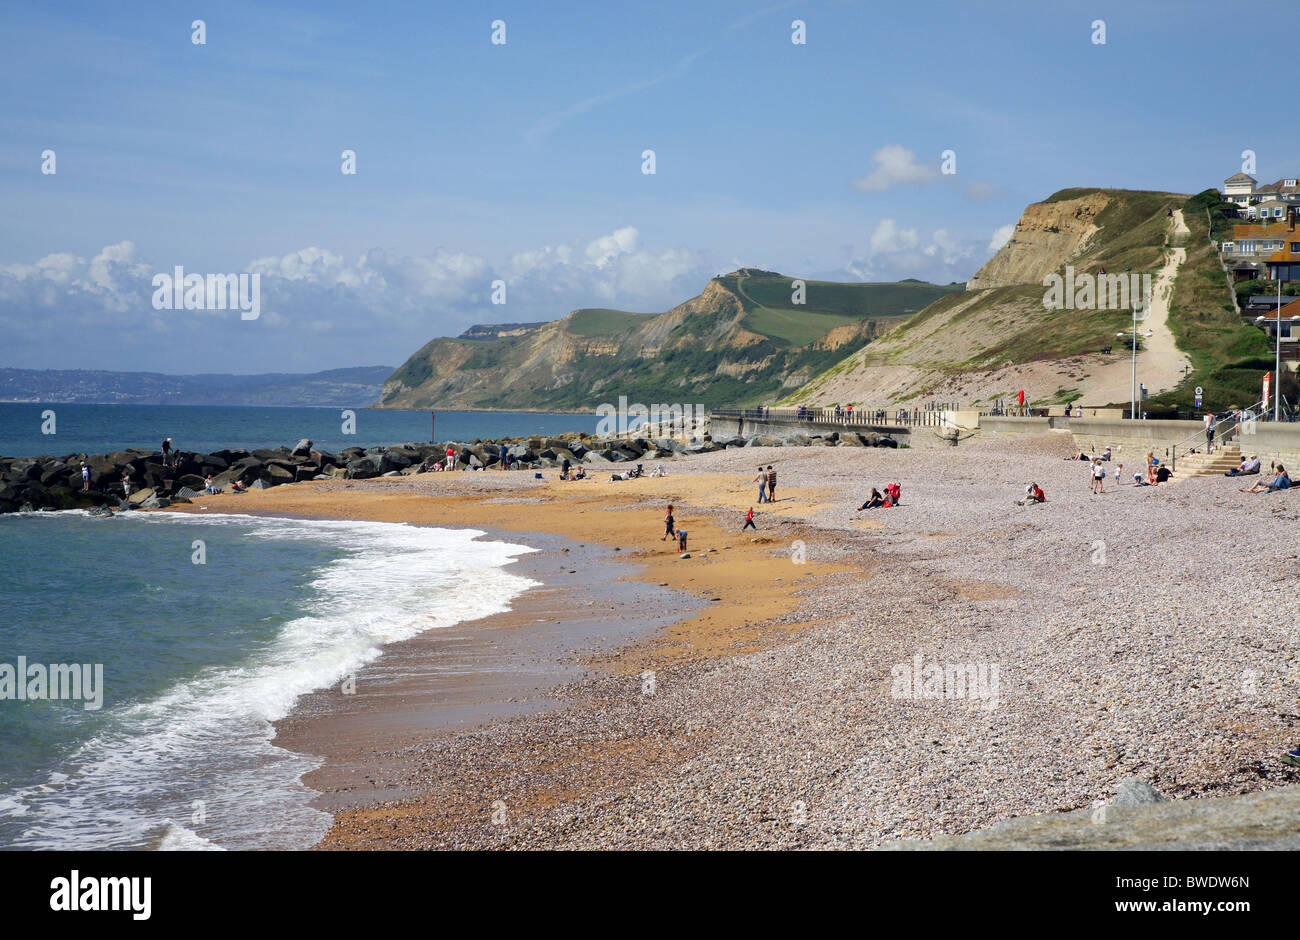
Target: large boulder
[(302, 448), (361, 468)]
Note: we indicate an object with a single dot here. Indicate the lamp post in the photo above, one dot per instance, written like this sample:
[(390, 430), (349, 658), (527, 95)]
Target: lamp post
[(1133, 335), (1277, 355)]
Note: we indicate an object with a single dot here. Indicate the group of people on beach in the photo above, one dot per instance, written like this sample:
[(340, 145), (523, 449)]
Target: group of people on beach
[(671, 531), (766, 481), (886, 500)]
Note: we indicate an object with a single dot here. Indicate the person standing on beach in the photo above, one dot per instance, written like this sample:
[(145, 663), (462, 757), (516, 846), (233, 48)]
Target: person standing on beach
[(771, 484), (749, 521), (1098, 476), (669, 530), (761, 480), (451, 457), (1209, 432)]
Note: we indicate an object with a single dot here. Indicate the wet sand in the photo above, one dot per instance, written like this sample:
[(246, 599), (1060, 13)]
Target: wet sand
[(612, 599)]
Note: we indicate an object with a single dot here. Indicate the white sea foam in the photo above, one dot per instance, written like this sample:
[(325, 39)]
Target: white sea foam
[(200, 752)]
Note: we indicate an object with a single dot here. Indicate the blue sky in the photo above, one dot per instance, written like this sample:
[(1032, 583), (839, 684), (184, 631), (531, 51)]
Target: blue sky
[(522, 161)]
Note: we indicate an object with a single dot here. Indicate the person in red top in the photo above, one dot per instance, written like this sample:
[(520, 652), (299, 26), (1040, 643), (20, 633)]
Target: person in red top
[(749, 521), (451, 457), (894, 492)]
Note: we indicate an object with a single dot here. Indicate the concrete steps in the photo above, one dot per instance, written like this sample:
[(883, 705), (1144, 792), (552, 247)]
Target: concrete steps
[(1225, 457)]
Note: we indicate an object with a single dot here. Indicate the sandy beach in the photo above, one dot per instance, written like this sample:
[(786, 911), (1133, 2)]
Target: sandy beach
[(1144, 632)]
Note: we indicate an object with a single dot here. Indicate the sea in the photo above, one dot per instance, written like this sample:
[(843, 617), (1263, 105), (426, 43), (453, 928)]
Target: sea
[(30, 429), (192, 635)]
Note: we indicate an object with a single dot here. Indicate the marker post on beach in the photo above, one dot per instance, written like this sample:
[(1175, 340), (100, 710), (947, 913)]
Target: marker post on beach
[(433, 425)]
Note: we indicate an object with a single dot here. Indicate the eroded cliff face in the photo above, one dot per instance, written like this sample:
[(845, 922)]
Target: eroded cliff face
[(1047, 236)]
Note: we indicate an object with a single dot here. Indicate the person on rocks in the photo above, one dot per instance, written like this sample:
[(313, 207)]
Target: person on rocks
[(85, 476), (126, 484), (167, 452), (669, 529), (749, 521), (210, 485)]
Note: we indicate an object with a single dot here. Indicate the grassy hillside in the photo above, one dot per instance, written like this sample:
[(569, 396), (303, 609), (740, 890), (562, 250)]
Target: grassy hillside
[(596, 321), (986, 343), (742, 341)]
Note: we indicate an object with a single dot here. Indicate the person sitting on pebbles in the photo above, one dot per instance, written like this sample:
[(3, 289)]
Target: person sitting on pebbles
[(1281, 482), (1033, 494), (874, 501)]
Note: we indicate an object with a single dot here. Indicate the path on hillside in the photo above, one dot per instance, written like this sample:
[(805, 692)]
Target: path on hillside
[(1159, 362)]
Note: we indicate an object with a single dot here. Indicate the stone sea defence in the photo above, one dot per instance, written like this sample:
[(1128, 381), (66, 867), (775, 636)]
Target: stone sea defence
[(35, 483)]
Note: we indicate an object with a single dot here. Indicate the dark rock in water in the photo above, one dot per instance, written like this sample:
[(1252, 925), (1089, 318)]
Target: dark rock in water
[(302, 448), (26, 507), (1134, 791), (156, 502), (351, 453), (101, 511)]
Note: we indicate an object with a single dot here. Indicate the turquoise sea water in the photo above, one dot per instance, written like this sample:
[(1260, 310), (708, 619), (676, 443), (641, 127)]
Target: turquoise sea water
[(100, 429), (199, 659)]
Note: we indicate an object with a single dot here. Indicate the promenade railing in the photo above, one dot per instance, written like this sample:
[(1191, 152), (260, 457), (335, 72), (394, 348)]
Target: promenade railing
[(840, 417), (1224, 431)]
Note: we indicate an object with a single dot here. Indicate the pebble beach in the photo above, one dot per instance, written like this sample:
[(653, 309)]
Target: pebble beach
[(1144, 632)]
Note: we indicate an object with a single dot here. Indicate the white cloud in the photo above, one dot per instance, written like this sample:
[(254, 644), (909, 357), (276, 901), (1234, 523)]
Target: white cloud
[(1001, 235), (321, 309), (895, 165), (887, 236)]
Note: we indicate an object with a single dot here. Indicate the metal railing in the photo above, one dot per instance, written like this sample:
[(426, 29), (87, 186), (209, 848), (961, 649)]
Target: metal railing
[(840, 417), (1224, 431)]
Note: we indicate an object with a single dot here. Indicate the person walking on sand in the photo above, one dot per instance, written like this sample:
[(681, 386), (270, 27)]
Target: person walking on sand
[(761, 480), (771, 484), (669, 530), (749, 521)]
